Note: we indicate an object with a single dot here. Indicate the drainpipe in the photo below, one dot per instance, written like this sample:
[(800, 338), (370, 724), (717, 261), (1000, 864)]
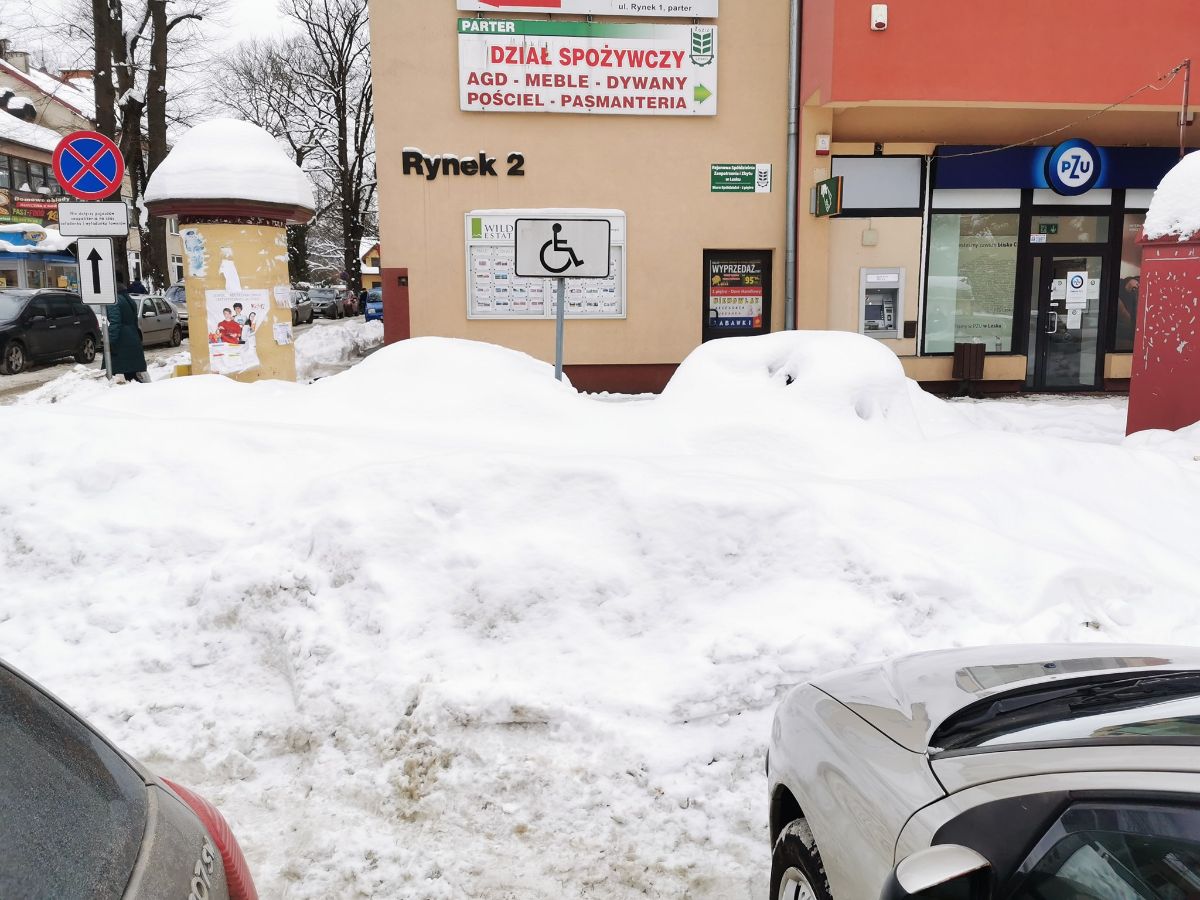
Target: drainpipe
[(793, 163)]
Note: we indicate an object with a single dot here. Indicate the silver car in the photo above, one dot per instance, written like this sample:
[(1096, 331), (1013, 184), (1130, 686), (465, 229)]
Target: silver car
[(158, 320), (1016, 773), (82, 821)]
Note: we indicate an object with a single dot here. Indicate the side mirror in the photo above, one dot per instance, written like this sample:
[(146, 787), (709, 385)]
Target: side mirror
[(944, 872), (149, 314), (37, 318)]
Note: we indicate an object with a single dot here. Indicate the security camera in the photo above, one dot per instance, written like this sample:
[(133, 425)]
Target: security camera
[(879, 17)]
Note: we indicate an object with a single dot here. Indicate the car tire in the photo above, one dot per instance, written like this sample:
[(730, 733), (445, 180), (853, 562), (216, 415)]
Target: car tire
[(797, 872), (14, 360), (176, 336), (87, 351)]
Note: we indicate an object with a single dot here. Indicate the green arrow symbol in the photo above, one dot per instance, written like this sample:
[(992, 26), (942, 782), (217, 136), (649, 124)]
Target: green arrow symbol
[(702, 93)]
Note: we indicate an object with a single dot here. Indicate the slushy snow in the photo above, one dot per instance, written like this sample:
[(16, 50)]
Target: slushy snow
[(229, 159), (440, 626)]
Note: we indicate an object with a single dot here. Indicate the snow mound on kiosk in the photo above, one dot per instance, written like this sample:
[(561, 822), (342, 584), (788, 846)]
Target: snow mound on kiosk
[(1175, 209)]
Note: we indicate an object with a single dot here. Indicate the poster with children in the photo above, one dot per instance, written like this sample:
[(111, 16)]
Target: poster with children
[(234, 320)]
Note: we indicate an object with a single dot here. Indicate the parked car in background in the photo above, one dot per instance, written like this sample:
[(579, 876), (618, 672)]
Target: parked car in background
[(1023, 773), (326, 302), (374, 310), (176, 295), (158, 321), (302, 308), (83, 821), (45, 325), (350, 303)]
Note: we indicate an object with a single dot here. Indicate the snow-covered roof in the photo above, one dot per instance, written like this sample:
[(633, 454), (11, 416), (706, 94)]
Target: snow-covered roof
[(365, 246), (13, 129), (51, 242), (227, 159), (1175, 209), (66, 93)]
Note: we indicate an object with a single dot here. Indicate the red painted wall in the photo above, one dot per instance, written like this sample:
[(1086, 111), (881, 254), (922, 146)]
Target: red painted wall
[(1035, 51)]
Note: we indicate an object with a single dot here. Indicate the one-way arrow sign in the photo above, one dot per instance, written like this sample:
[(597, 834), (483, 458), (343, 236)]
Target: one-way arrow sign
[(97, 276)]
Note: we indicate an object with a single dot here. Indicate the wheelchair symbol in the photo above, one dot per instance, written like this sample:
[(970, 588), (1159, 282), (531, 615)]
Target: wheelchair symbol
[(559, 246)]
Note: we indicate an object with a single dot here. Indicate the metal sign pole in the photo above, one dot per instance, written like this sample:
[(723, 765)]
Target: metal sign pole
[(560, 328), (107, 349)]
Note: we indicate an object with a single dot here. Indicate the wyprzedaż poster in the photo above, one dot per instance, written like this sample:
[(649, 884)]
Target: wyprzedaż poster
[(735, 294)]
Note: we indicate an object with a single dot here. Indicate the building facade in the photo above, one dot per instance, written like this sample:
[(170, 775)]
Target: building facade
[(993, 176)]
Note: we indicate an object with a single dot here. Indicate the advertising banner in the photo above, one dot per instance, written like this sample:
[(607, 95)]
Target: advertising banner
[(735, 294), (686, 9), (587, 67)]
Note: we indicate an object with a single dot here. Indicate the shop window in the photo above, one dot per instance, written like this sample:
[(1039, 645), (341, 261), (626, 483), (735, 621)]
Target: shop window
[(880, 185), (5, 176), (20, 174), (970, 296), (1127, 287)]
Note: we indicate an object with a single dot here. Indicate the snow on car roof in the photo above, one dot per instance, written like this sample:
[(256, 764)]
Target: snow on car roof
[(908, 698)]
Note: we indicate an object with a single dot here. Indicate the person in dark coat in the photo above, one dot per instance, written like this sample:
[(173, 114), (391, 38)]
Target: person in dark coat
[(124, 336), (137, 287)]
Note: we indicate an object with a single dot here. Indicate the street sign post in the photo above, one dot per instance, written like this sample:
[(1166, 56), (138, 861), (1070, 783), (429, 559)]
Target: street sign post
[(93, 219), (562, 249), (98, 284), (89, 166)]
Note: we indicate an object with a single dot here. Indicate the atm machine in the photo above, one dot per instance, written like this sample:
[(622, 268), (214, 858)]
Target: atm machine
[(881, 303)]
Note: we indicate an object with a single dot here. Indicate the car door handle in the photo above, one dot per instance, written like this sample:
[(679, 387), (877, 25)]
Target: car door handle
[(52, 327)]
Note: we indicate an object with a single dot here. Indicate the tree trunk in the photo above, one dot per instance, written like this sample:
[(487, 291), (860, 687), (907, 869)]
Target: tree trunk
[(154, 250), (298, 252)]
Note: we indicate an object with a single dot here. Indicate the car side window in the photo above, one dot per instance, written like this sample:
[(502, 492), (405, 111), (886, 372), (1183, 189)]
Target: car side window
[(61, 308), (163, 309), (39, 307), (1111, 852), (148, 307)]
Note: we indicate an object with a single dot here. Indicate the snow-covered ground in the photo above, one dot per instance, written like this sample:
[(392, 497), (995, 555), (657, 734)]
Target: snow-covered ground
[(441, 627)]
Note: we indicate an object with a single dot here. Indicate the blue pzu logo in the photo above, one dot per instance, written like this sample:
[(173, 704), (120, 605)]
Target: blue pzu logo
[(1073, 167)]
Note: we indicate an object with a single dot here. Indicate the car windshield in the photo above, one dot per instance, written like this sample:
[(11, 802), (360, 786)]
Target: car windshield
[(322, 294), (1156, 707), (11, 304)]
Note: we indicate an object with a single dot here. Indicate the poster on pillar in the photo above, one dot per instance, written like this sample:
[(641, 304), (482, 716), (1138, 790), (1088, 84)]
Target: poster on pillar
[(237, 272), (235, 319)]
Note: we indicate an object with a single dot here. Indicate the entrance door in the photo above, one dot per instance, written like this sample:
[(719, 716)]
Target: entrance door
[(1064, 320)]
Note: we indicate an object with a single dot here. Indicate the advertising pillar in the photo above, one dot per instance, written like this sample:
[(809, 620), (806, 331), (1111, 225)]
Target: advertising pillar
[(235, 191)]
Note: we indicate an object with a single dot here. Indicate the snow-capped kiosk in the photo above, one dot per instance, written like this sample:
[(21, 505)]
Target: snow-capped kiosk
[(235, 191), (1164, 390)]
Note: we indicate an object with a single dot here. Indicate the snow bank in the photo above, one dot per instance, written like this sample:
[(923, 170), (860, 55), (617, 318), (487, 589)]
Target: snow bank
[(229, 159), (1175, 209), (439, 626), (326, 348)]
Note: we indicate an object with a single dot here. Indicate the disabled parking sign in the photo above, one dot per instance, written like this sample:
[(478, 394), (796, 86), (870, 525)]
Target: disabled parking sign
[(563, 248), (89, 166)]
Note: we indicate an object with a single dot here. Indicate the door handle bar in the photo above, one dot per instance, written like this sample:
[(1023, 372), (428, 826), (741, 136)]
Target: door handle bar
[(1053, 329)]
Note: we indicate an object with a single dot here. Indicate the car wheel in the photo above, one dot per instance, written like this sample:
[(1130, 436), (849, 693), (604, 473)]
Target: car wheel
[(797, 872), (176, 336), (13, 362), (87, 352)]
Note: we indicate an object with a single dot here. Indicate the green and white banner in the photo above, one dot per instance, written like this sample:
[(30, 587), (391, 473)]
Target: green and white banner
[(687, 9), (587, 67)]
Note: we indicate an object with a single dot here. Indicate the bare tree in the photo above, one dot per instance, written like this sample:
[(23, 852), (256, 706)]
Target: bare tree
[(260, 81), (133, 43), (336, 100)]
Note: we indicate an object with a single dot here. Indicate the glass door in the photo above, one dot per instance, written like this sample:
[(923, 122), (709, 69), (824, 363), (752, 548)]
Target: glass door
[(1064, 322)]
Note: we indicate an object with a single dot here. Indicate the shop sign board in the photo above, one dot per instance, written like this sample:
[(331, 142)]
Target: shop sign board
[(741, 178), (587, 67), (828, 200), (495, 291), (686, 9), (736, 291), (93, 219)]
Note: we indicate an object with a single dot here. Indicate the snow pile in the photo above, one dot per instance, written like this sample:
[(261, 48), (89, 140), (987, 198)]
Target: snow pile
[(227, 159), (1175, 209), (441, 627), (27, 133), (45, 240), (81, 383), (326, 348)]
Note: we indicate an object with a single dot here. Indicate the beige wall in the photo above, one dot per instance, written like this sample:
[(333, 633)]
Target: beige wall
[(899, 245), (654, 168)]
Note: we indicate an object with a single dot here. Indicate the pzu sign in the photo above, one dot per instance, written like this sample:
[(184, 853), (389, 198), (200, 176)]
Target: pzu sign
[(1073, 168)]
